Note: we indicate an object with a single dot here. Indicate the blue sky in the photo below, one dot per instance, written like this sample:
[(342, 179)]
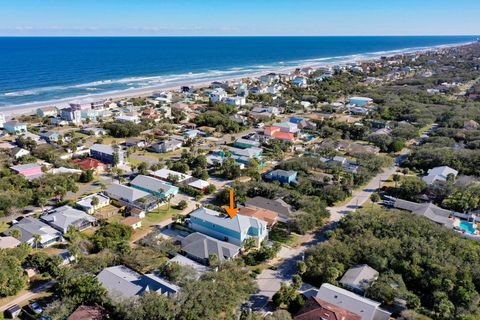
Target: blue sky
[(240, 17)]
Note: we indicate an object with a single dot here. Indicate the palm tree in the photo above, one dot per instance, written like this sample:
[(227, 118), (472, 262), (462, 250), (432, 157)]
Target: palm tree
[(37, 239)]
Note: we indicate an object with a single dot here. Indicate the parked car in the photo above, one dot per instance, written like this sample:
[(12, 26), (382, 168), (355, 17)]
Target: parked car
[(37, 308), (13, 311)]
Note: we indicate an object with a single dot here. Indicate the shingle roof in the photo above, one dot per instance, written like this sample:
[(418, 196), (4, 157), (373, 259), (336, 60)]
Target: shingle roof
[(316, 309), (428, 210), (63, 217), (122, 281), (359, 276), (273, 205), (29, 227), (202, 246)]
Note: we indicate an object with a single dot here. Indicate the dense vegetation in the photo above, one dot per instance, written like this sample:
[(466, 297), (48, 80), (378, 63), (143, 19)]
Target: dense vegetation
[(432, 267)]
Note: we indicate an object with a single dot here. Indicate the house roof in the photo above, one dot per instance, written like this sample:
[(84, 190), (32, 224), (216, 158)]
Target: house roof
[(184, 261), (283, 135), (130, 221), (202, 246), (88, 163), (359, 276), (268, 216), (88, 313), (8, 242), (165, 173), (27, 166), (122, 281), (103, 148), (439, 173), (238, 223), (428, 210), (120, 191), (28, 227), (248, 152), (366, 308), (86, 202), (151, 183), (277, 206), (63, 217), (318, 309), (281, 173)]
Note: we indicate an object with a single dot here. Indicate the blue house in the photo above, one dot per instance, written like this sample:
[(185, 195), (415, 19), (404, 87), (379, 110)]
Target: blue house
[(15, 127), (282, 176), (154, 186), (233, 230), (295, 120)]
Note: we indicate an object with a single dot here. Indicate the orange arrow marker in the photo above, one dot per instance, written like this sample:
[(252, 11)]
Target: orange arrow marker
[(232, 211)]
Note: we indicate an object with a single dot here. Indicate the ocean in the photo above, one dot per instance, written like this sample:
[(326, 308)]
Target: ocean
[(43, 69)]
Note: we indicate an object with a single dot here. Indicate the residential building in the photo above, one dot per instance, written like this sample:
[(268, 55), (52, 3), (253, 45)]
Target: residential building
[(86, 203), (187, 262), (359, 278), (128, 118), (9, 242), (317, 309), (360, 101), (174, 176), (106, 153), (278, 206), (132, 197), (65, 217), (300, 82), (29, 170), (367, 309), (200, 247), (50, 136), (17, 152), (71, 115), (94, 131), (244, 143), (439, 174), (428, 210), (276, 133), (268, 216), (122, 282), (47, 112), (218, 95), (236, 101), (91, 164), (154, 186), (15, 127), (234, 230), (88, 313), (29, 227), (133, 222), (282, 176), (166, 146)]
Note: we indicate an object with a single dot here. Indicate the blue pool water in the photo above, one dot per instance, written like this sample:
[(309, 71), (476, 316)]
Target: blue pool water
[(468, 227), (38, 69)]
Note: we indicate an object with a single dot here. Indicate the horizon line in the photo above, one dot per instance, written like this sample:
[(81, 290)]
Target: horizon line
[(233, 36)]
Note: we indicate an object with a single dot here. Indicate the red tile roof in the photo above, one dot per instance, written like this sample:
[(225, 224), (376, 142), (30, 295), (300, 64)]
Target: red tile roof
[(283, 135), (316, 308), (88, 163)]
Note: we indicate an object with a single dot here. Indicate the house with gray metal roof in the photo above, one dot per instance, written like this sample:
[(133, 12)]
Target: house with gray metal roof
[(234, 230), (428, 210), (64, 217), (123, 282), (154, 186), (187, 262), (359, 278), (29, 227), (131, 197), (199, 247)]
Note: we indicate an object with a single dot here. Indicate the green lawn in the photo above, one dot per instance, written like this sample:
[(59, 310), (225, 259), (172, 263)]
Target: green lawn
[(3, 226), (159, 215)]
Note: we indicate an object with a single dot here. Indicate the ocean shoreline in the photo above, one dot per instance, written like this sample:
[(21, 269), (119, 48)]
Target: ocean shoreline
[(11, 111)]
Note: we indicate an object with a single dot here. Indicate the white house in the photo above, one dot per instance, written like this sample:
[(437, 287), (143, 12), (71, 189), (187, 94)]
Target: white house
[(236, 101), (439, 174), (218, 95)]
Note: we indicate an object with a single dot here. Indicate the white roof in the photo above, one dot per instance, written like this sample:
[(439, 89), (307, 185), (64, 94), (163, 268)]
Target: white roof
[(199, 184), (164, 173), (120, 191), (366, 308)]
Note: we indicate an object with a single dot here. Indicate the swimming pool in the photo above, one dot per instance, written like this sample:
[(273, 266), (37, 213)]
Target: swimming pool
[(468, 227)]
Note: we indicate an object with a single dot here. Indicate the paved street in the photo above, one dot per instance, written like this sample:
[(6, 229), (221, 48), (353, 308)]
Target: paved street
[(29, 295)]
